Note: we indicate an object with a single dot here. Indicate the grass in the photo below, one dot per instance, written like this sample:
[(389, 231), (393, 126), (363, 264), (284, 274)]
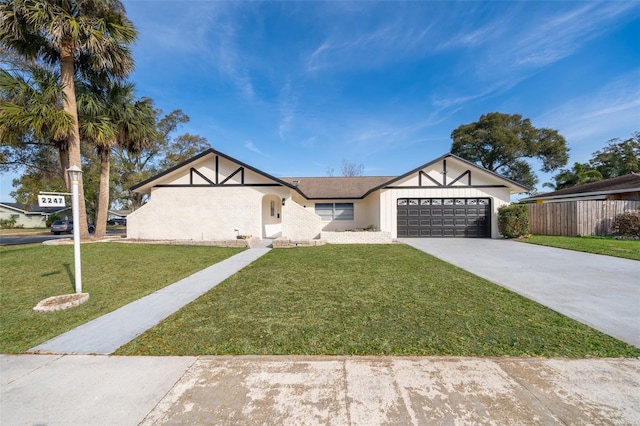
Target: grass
[(628, 249), (24, 231), (113, 274), (368, 300)]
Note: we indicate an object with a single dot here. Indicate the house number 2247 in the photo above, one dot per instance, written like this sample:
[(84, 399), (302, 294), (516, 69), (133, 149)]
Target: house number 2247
[(50, 201)]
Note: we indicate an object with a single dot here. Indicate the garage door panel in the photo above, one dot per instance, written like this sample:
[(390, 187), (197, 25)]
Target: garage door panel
[(438, 217)]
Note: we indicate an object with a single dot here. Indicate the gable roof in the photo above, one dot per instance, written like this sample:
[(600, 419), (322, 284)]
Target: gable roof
[(514, 185), (333, 187), (626, 183), (199, 156)]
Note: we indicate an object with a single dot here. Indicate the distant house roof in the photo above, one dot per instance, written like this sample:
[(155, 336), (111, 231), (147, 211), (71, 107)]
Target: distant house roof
[(35, 209), (121, 213), (620, 184)]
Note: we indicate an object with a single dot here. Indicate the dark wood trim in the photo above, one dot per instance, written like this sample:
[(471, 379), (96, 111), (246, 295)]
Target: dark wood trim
[(184, 185), (468, 173), (428, 177), (192, 171), (444, 172), (241, 170), (440, 186), (217, 169)]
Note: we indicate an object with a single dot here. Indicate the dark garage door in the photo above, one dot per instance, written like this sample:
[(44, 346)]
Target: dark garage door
[(444, 217)]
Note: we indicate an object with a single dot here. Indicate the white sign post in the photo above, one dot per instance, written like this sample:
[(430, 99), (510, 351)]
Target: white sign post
[(74, 176)]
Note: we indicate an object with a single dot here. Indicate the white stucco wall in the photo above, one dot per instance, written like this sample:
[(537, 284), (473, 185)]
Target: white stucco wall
[(299, 223), (201, 213), (365, 213)]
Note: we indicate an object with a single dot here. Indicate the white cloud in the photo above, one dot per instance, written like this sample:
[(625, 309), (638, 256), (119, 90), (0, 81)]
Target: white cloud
[(589, 120), (251, 147)]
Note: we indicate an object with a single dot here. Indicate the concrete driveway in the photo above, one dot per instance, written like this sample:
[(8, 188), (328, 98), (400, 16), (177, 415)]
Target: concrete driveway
[(600, 291)]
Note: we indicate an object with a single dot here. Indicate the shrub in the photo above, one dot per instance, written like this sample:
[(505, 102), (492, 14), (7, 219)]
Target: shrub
[(627, 224), (7, 223), (52, 218), (513, 220)]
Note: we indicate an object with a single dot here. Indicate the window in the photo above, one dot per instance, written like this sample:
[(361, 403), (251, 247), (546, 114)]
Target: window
[(273, 208), (335, 211)]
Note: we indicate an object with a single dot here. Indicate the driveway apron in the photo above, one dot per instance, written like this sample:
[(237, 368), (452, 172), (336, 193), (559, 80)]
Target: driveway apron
[(600, 291)]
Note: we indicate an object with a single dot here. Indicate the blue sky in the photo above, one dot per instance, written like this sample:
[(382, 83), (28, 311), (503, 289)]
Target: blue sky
[(293, 88)]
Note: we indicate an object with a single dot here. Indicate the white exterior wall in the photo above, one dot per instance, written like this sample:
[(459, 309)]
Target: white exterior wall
[(388, 202), (299, 223), (201, 213), (23, 220), (365, 213)]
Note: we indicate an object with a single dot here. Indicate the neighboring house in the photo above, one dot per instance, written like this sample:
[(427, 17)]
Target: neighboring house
[(117, 214), (215, 197), (30, 217), (625, 188)]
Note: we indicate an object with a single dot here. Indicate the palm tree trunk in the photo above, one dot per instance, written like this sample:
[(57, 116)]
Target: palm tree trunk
[(103, 194), (64, 165), (67, 71)]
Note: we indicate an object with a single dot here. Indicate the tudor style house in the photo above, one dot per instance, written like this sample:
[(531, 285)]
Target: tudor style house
[(215, 197)]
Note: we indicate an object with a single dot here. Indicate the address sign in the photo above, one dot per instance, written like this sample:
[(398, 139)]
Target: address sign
[(51, 201)]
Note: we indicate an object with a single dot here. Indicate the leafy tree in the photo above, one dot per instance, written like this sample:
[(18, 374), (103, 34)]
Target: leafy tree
[(618, 158), (111, 117), (42, 173), (135, 163), (31, 115), (501, 143), (90, 36), (579, 174)]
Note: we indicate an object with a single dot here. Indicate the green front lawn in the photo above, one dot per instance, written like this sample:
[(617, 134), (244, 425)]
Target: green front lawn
[(113, 274), (368, 300), (628, 249)]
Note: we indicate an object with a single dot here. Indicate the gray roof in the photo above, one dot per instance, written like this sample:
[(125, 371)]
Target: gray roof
[(337, 187), (626, 183), (34, 209)]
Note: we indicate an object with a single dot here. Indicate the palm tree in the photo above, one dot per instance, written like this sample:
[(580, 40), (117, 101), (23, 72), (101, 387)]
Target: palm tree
[(579, 174), (110, 117), (31, 112), (89, 36)]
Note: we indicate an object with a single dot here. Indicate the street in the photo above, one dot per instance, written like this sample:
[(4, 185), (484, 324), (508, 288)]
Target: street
[(9, 240)]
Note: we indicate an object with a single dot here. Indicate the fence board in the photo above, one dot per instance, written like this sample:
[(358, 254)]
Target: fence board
[(572, 218)]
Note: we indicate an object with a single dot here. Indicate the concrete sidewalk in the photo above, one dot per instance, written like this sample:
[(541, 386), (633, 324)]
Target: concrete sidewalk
[(107, 333), (600, 291), (250, 390)]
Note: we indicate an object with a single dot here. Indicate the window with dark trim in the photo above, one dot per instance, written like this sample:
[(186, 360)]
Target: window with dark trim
[(334, 211)]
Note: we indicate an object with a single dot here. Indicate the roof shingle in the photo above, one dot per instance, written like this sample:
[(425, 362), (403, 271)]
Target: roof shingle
[(628, 182), (337, 187)]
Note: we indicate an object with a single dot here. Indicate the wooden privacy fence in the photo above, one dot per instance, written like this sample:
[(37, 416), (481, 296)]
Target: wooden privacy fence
[(573, 218)]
